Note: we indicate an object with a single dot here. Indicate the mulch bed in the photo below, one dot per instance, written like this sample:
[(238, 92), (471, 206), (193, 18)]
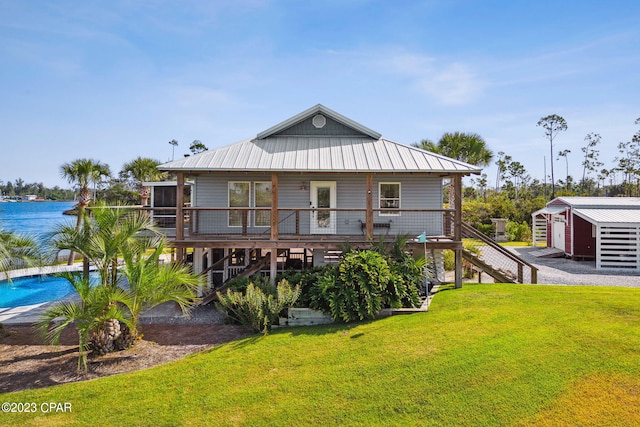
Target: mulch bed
[(25, 363)]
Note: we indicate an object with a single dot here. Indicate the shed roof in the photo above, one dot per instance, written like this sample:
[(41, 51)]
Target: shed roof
[(550, 210), (599, 202), (361, 150), (609, 216)]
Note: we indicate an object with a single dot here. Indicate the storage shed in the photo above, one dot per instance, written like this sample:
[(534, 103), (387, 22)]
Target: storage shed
[(606, 229)]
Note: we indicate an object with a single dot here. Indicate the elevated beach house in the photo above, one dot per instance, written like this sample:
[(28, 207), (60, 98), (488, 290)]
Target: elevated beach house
[(295, 194)]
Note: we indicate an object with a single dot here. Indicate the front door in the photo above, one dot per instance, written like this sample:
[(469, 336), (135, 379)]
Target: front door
[(323, 196)]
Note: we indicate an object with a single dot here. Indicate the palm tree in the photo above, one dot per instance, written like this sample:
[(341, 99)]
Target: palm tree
[(106, 234), (427, 145), (110, 234), (143, 169), (17, 251), (468, 147), (152, 283), (173, 144), (93, 308), (83, 172)]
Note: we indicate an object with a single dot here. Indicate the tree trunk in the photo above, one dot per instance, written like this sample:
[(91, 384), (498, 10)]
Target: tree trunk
[(80, 213), (112, 336), (145, 193), (102, 340)]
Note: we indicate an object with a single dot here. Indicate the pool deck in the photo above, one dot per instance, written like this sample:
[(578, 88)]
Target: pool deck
[(35, 271), (29, 314)]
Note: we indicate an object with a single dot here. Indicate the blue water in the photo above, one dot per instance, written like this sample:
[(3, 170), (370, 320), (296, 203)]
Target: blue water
[(33, 290), (34, 218)]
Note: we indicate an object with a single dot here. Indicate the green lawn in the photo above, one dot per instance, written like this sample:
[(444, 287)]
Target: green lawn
[(515, 244), (483, 355)]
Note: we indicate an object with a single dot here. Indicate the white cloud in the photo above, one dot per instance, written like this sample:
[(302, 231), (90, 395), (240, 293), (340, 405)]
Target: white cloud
[(454, 84), (446, 83)]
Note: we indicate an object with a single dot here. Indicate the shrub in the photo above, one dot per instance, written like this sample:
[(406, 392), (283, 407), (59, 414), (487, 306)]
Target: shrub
[(356, 293), (322, 291), (240, 284), (307, 280), (259, 307), (413, 278), (449, 259), (363, 282), (486, 229), (408, 274), (518, 232)]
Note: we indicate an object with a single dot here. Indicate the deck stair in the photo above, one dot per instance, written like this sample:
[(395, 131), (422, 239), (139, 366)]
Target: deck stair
[(434, 268), (253, 268), (497, 275), (489, 257)]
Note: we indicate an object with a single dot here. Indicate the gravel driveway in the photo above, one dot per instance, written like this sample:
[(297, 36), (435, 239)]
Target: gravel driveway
[(563, 271)]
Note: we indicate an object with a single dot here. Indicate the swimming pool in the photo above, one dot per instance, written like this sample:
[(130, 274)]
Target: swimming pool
[(33, 290)]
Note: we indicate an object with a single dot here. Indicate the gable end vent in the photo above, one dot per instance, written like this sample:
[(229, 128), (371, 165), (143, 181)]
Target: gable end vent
[(319, 121)]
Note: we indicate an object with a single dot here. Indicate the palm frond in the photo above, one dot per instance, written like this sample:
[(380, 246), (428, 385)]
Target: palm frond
[(67, 312)]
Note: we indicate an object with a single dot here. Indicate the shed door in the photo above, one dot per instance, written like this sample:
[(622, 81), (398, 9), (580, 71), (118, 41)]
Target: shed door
[(558, 232), (323, 196)]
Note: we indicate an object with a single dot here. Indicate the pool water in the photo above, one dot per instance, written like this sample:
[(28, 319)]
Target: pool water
[(33, 290)]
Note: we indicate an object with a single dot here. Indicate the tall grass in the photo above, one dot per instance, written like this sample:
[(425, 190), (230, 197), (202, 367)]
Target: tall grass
[(482, 355)]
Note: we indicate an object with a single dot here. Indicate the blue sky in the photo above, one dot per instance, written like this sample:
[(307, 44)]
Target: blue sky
[(119, 79)]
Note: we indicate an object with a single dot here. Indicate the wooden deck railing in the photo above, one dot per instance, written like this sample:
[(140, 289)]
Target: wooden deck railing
[(294, 222)]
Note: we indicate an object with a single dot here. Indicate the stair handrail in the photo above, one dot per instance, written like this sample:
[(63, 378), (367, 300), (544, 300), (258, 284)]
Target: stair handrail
[(487, 268), (467, 228), (218, 263)]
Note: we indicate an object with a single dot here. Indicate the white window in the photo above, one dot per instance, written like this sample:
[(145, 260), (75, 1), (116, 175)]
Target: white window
[(389, 198), (238, 198), (262, 195)]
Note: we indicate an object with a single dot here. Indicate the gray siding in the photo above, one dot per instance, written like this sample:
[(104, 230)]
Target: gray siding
[(331, 128), (417, 192)]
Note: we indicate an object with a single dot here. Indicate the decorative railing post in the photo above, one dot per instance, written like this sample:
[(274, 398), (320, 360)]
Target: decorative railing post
[(273, 267), (180, 213), (456, 181), (274, 206), (369, 205)]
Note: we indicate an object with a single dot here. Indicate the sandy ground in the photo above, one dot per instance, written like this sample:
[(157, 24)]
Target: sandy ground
[(25, 363)]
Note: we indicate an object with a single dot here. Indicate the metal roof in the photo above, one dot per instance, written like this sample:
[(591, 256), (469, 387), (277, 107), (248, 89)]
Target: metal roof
[(360, 149), (601, 202), (320, 154), (550, 210), (609, 216)]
